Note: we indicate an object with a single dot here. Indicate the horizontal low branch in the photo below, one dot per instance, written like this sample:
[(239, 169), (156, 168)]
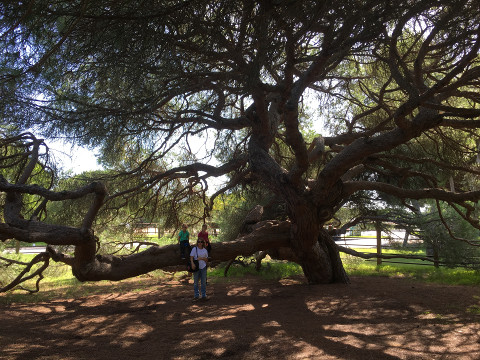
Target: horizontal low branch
[(95, 187), (36, 231), (267, 235)]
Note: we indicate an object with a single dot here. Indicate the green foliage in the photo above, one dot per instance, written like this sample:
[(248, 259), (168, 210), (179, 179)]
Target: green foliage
[(231, 209), (123, 216), (229, 214), (451, 251)]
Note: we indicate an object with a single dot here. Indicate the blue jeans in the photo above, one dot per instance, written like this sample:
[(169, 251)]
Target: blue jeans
[(202, 274), (185, 249)]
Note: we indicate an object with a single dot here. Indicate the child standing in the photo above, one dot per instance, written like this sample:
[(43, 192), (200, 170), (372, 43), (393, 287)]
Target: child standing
[(183, 239), (203, 235)]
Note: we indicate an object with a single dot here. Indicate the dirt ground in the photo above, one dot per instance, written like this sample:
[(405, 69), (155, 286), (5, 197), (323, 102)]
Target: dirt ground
[(372, 318)]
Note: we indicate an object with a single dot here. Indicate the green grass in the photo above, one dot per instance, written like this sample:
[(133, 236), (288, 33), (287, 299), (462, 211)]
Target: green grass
[(404, 268), (271, 270), (60, 283), (474, 309), (12, 244)]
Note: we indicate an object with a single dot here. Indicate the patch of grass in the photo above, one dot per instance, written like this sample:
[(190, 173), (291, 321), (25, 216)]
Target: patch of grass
[(442, 275), (74, 289), (60, 283), (270, 270), (474, 309)]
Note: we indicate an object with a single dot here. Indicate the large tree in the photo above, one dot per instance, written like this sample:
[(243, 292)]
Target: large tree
[(395, 82)]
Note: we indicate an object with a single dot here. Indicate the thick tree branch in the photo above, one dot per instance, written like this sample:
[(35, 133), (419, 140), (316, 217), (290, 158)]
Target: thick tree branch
[(24, 276), (267, 235), (351, 187)]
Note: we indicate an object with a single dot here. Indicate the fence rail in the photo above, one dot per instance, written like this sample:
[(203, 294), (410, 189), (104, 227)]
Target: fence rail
[(386, 243)]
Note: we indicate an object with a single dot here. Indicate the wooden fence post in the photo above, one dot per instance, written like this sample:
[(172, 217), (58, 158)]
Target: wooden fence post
[(379, 242), (436, 257)]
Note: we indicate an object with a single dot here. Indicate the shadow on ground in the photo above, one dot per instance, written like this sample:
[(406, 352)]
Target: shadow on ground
[(373, 318)]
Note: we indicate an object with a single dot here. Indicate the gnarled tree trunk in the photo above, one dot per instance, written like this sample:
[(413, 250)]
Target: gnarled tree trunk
[(320, 260), (315, 249)]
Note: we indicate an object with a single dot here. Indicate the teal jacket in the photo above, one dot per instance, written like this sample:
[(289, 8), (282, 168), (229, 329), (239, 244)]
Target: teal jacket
[(183, 235)]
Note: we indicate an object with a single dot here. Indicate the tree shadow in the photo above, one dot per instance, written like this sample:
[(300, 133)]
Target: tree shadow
[(389, 319)]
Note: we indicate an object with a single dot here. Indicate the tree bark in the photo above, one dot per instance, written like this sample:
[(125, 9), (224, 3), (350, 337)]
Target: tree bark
[(322, 264), (266, 235), (316, 251), (405, 239)]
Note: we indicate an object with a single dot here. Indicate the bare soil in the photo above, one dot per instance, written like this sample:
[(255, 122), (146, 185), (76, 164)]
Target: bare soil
[(372, 318)]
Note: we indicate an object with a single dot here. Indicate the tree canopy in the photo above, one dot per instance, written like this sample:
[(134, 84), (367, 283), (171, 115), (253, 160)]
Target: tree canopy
[(391, 89)]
